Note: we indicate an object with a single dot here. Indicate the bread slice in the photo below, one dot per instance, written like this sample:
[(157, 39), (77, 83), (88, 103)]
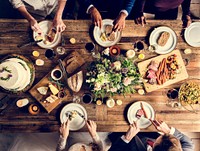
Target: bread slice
[(162, 40)]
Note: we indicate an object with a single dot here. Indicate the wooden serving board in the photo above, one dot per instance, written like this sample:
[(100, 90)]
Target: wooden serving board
[(179, 77), (44, 82), (40, 98)]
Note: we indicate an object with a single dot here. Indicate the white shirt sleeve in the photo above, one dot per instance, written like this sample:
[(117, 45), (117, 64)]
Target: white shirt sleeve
[(124, 139), (16, 3), (87, 11), (124, 11)]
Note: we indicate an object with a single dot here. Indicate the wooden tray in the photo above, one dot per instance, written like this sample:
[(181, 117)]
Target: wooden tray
[(44, 82), (179, 77)]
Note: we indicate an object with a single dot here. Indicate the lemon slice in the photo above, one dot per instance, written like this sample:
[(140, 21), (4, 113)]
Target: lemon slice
[(141, 92), (119, 102), (187, 51), (39, 62), (141, 56), (35, 53), (72, 40), (110, 103), (99, 102)]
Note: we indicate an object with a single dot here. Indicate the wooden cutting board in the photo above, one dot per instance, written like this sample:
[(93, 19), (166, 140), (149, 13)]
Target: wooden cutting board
[(179, 77), (44, 82)]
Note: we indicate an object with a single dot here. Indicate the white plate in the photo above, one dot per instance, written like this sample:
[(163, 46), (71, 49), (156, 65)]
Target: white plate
[(45, 26), (97, 33), (77, 122), (143, 122), (169, 46), (192, 34)]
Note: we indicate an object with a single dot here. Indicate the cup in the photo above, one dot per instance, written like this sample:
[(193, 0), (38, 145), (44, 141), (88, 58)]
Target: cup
[(140, 45), (50, 54), (56, 74), (87, 98), (90, 46), (60, 50), (172, 94)]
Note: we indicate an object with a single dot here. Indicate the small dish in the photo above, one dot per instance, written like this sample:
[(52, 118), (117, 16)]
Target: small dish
[(114, 50), (56, 74)]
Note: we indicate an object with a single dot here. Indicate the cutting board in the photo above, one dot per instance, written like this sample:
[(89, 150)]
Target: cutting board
[(44, 82), (179, 77)]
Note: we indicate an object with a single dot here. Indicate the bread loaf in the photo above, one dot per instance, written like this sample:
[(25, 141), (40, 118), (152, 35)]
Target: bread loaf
[(162, 40), (75, 82)]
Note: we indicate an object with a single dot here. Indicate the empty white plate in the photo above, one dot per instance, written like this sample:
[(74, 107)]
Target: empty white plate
[(192, 34)]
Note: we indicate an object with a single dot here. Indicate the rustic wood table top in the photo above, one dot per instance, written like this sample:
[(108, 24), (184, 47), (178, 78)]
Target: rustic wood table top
[(15, 32)]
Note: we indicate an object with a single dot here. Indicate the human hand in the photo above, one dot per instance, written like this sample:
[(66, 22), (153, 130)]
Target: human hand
[(34, 26), (186, 21), (59, 24), (96, 17), (132, 131), (64, 129), (141, 20), (92, 128), (161, 126), (119, 22)]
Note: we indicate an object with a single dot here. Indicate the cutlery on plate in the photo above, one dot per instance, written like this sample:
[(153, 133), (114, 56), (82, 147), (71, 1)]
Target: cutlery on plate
[(142, 107), (81, 115), (29, 43)]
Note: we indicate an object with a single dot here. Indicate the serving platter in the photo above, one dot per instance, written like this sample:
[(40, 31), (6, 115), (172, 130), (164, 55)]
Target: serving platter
[(182, 75), (97, 33)]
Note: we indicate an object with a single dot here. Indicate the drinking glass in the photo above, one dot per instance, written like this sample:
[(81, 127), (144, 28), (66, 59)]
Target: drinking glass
[(76, 99), (87, 98), (90, 47), (50, 54), (172, 95)]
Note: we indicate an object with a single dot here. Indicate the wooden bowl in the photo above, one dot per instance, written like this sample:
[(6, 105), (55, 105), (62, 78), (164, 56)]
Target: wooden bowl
[(114, 51)]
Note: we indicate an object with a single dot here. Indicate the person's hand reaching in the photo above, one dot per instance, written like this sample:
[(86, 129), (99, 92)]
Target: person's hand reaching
[(92, 128), (119, 22), (59, 24), (64, 129), (34, 26), (141, 20), (132, 131), (186, 21), (96, 17), (161, 126)]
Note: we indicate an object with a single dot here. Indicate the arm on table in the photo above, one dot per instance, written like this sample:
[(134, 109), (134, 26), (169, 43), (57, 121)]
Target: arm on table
[(139, 16), (186, 13)]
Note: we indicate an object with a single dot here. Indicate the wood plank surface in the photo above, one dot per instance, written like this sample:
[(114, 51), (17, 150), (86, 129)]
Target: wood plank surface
[(15, 32)]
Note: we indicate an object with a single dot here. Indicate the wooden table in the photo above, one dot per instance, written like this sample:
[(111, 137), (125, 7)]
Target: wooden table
[(15, 32)]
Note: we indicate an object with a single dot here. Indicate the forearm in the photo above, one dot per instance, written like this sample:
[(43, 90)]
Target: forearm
[(25, 13), (128, 5), (99, 142), (186, 7), (62, 144), (61, 6)]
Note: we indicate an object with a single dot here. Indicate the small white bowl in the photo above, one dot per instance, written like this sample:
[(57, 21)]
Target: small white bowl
[(56, 74)]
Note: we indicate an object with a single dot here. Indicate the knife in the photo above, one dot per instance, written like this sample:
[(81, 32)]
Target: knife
[(81, 115), (142, 107), (29, 43), (65, 75)]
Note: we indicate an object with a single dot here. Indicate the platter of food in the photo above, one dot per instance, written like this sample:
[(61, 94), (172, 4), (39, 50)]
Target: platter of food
[(50, 38), (163, 39), (192, 34), (105, 36), (162, 71), (189, 93), (52, 88), (135, 114), (71, 111)]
